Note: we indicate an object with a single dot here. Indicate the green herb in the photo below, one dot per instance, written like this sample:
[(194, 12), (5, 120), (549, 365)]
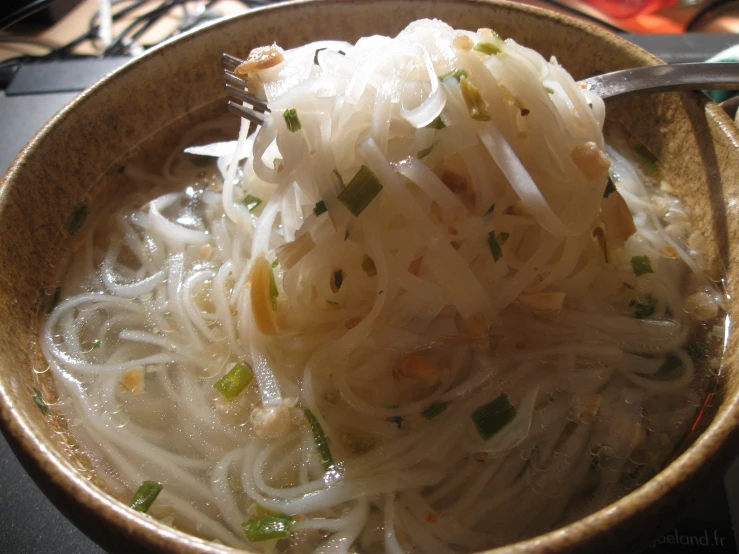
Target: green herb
[(647, 159), (397, 420), (490, 209), (273, 292), (610, 187), (77, 219), (275, 263), (549, 90), (235, 381), (360, 191), (641, 265), (492, 417), (315, 56), (698, 351), (436, 123), (96, 344), (332, 303), (458, 74), (55, 298), (291, 120), (425, 152), (38, 399), (472, 97), (265, 528), (251, 202), (643, 309), (495, 242), (145, 496), (667, 371), (435, 409), (320, 208), (324, 452), (487, 48)]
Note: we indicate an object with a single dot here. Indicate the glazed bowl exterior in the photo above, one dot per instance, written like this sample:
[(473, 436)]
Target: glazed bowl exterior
[(141, 110)]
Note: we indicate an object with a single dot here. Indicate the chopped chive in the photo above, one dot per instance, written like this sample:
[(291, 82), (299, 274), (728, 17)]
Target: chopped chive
[(77, 219), (291, 120), (235, 381), (495, 243), (251, 202), (145, 496), (265, 528), (315, 56), (647, 159), (549, 90), (667, 371), (320, 208), (435, 409), (55, 298), (458, 74), (397, 420), (610, 187), (273, 292), (487, 48), (644, 309), (436, 123), (324, 452), (425, 152), (275, 263), (38, 399), (492, 417), (472, 97), (360, 191), (490, 209), (698, 351), (641, 265), (96, 344)]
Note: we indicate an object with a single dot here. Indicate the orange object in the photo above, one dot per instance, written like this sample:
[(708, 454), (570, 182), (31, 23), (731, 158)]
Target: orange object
[(626, 9)]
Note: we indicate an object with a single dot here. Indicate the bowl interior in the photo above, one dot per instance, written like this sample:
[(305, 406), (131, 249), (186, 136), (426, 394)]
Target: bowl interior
[(145, 107)]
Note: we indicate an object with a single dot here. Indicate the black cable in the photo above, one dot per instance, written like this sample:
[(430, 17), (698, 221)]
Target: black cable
[(119, 47), (703, 13), (22, 13)]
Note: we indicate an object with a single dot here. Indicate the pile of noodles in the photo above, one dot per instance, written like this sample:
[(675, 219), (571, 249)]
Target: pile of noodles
[(422, 228)]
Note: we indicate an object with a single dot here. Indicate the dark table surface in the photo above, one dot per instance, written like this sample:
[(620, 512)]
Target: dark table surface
[(31, 524)]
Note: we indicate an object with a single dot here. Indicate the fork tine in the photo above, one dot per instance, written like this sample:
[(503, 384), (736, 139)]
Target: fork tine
[(229, 61), (233, 79), (246, 97), (246, 113)]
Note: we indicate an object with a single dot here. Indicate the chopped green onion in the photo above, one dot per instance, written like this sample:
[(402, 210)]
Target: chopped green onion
[(549, 90), (495, 243), (492, 417), (265, 528), (77, 219), (643, 309), (251, 202), (235, 381), (610, 187), (647, 159), (425, 152), (324, 452), (55, 298), (669, 370), (275, 263), (437, 123), (320, 208), (472, 97), (435, 409), (96, 344), (145, 496), (360, 191), (487, 48), (315, 56), (490, 209), (397, 420), (273, 292), (458, 74), (698, 351), (641, 265), (291, 120), (38, 399)]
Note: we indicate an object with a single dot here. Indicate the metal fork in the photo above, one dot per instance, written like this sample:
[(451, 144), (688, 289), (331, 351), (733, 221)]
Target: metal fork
[(236, 87)]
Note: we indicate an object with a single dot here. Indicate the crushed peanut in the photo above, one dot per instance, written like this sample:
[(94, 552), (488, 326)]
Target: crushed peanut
[(590, 160)]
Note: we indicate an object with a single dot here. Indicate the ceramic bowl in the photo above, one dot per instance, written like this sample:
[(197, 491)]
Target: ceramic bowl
[(75, 160)]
